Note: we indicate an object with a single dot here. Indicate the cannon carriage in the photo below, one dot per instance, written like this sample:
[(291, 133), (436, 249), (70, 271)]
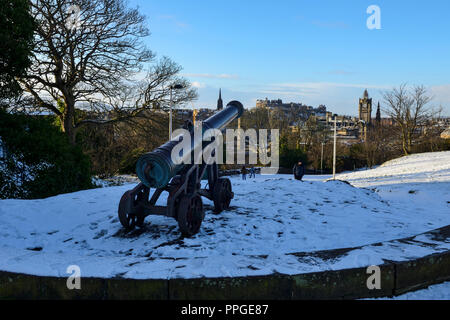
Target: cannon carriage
[(158, 173)]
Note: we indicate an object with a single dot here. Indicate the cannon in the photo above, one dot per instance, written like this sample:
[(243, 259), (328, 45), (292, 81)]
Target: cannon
[(158, 172)]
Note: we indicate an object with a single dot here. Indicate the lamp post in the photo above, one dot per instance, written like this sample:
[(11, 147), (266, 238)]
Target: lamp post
[(334, 148), (172, 87), (321, 159), (194, 116)]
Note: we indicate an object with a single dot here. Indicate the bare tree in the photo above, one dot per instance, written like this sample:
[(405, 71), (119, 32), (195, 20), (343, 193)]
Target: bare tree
[(137, 100), (376, 145), (155, 89), (306, 133), (318, 136), (409, 110), (256, 118), (89, 52)]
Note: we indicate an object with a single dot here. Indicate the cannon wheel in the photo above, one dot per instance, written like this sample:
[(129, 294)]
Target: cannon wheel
[(222, 195), (126, 218), (190, 214), (127, 204)]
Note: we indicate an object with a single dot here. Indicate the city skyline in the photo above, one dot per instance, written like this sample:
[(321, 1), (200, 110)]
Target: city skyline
[(313, 53)]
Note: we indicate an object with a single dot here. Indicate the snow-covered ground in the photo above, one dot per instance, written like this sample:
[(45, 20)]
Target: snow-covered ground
[(115, 181), (270, 217), (436, 292)]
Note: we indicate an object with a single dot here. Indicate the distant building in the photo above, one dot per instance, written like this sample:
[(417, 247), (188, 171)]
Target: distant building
[(365, 108), (446, 134), (220, 102), (387, 122), (298, 110)]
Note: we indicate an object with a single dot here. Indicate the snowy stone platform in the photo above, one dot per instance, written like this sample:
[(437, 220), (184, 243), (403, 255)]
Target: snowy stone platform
[(271, 218), (279, 233), (414, 269)]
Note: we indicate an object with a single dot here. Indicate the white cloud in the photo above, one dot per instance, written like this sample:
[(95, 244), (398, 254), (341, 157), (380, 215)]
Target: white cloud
[(281, 93), (317, 90), (198, 85), (211, 76), (441, 92), (324, 85), (441, 97), (340, 98)]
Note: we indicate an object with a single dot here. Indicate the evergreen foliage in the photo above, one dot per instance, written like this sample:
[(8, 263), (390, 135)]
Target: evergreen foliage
[(37, 160)]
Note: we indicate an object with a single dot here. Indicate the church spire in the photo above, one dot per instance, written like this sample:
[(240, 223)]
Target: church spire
[(378, 118), (220, 102)]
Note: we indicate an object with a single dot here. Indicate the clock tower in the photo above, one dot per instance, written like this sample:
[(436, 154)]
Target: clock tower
[(365, 108)]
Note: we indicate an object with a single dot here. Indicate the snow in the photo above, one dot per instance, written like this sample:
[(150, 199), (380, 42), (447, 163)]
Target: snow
[(436, 292), (416, 168), (117, 180), (270, 217)]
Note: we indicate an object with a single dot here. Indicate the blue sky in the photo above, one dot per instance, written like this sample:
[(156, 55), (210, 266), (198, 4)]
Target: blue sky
[(315, 52)]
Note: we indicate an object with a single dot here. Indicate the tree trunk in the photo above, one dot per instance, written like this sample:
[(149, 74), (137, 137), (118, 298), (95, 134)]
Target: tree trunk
[(70, 130), (409, 141), (405, 141), (405, 146), (67, 121)]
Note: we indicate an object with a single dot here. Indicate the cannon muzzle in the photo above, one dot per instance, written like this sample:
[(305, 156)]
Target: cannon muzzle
[(156, 168)]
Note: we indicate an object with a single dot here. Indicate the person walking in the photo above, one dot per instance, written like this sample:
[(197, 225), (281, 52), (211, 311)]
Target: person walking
[(252, 172), (299, 171), (244, 173)]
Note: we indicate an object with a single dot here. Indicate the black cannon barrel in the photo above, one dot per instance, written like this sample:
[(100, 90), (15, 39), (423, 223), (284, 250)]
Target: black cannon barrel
[(156, 168), (223, 118)]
